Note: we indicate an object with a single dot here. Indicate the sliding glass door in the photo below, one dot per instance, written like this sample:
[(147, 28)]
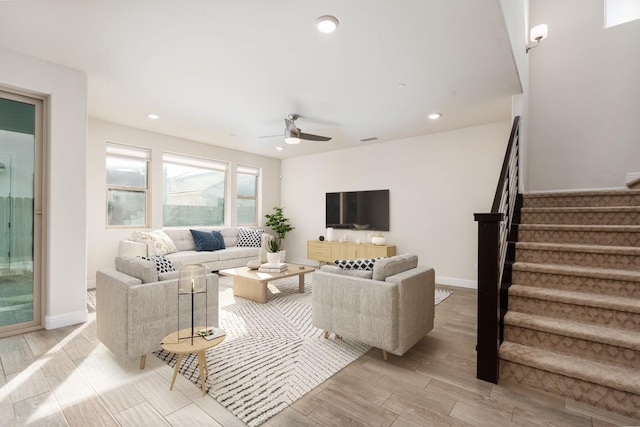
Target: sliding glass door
[(20, 212)]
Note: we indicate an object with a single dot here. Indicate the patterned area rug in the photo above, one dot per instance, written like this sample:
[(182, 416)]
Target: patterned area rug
[(272, 355)]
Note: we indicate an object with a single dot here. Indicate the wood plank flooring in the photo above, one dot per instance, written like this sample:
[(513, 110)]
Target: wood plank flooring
[(66, 377)]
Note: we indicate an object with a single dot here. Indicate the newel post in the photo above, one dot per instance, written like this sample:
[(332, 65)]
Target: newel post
[(488, 296)]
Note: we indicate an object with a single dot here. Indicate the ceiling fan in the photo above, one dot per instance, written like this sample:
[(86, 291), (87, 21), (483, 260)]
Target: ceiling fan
[(293, 135)]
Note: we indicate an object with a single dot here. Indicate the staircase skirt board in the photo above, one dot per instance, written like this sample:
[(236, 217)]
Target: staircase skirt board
[(574, 278), (610, 235), (573, 320)]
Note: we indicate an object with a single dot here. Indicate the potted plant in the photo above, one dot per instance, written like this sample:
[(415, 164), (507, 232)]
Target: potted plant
[(279, 224), (273, 250)]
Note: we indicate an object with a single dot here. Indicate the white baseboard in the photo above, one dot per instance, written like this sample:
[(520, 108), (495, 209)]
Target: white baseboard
[(461, 283), (67, 319)]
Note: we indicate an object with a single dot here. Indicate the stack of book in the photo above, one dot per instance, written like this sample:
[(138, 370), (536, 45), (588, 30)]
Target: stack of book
[(273, 268)]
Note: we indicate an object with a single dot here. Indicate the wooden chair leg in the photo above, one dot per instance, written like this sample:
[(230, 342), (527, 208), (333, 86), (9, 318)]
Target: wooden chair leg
[(143, 360), (385, 355), (338, 337), (326, 334)]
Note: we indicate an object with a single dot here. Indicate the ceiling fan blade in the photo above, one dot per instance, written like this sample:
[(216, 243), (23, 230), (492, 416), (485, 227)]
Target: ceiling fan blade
[(310, 137)]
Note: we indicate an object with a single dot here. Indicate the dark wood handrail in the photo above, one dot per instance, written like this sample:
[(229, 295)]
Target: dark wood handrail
[(515, 130), (493, 230)]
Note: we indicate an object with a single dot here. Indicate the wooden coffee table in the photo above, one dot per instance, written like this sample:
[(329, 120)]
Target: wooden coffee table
[(183, 346), (252, 284)]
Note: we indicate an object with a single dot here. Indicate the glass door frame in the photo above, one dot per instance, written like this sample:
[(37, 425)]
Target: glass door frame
[(40, 102)]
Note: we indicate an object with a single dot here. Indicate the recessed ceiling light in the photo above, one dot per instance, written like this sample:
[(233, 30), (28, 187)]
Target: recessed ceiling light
[(435, 116), (280, 148), (401, 85), (153, 116), (327, 24)]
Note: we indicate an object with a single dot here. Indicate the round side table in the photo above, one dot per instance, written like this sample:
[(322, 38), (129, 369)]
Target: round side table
[(183, 346)]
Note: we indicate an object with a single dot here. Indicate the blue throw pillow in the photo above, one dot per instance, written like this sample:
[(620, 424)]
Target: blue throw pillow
[(207, 240)]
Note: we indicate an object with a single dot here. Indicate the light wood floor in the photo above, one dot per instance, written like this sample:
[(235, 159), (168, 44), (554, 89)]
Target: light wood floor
[(66, 377)]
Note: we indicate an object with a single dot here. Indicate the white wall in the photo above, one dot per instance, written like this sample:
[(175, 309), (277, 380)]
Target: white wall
[(65, 207), (516, 16), (584, 131), (436, 182), (103, 242)]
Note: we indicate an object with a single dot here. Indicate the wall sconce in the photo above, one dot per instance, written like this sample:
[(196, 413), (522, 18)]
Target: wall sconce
[(536, 34)]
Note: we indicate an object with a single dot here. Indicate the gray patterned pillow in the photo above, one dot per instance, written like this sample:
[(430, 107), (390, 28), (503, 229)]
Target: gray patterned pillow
[(249, 237)]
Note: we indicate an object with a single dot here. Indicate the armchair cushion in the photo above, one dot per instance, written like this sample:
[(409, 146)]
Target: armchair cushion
[(139, 268), (385, 267)]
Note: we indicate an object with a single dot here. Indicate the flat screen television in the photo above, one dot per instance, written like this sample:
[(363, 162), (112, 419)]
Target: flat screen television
[(358, 210)]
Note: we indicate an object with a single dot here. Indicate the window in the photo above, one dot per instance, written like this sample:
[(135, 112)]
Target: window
[(247, 195), (127, 186), (193, 191)]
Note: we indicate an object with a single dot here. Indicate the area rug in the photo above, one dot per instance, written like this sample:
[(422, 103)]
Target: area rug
[(272, 355)]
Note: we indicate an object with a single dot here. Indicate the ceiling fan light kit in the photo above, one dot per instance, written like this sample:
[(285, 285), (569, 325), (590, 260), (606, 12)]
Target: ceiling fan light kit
[(292, 140)]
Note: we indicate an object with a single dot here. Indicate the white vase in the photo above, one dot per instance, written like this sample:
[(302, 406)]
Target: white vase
[(377, 240), (263, 253), (273, 257), (330, 234)]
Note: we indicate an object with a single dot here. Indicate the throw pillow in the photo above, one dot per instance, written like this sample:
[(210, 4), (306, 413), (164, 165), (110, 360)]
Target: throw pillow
[(163, 243), (207, 240), (163, 265), (249, 237), (356, 264)]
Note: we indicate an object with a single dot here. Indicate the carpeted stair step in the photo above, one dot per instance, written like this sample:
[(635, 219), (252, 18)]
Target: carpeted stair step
[(609, 257), (603, 310), (596, 343), (612, 388), (610, 235), (616, 215), (619, 283), (583, 198)]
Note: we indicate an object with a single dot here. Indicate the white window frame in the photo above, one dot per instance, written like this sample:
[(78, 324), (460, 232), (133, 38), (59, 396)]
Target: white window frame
[(200, 163), (123, 151), (248, 170)]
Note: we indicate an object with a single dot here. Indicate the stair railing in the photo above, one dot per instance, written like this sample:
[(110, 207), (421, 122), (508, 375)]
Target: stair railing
[(493, 230)]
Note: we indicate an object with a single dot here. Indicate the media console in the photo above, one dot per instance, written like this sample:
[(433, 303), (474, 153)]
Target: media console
[(323, 251)]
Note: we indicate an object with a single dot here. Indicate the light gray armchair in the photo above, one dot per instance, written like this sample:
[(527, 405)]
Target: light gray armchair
[(136, 308), (391, 307)]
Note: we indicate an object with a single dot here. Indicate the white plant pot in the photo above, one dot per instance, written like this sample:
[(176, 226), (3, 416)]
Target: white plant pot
[(283, 254), (273, 257)]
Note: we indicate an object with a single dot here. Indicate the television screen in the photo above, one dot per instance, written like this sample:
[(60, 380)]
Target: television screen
[(358, 210)]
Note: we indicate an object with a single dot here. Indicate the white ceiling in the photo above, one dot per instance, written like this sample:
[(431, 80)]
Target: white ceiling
[(226, 72)]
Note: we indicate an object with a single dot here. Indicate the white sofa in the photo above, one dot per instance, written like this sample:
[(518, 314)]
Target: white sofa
[(185, 248)]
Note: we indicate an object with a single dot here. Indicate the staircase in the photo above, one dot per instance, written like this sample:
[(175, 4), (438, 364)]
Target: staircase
[(573, 323)]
